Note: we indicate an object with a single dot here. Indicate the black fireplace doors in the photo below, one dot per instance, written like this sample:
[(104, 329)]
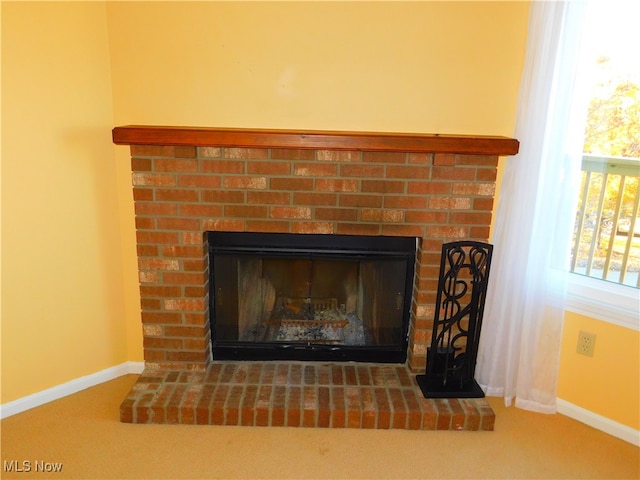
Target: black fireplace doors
[(310, 297)]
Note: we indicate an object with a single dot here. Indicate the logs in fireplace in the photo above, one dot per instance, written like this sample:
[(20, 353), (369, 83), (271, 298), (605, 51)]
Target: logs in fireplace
[(310, 297)]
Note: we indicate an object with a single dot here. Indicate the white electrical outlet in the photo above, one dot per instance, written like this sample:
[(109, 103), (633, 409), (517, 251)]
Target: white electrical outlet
[(586, 343)]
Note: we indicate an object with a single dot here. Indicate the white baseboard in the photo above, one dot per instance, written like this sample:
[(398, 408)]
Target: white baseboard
[(8, 409), (68, 388), (599, 422)]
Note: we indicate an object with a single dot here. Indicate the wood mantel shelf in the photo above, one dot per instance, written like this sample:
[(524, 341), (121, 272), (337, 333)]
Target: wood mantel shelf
[(314, 139)]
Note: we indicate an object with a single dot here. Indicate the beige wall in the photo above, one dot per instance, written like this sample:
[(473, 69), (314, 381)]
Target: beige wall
[(62, 296), (607, 383), (449, 67), (391, 66)]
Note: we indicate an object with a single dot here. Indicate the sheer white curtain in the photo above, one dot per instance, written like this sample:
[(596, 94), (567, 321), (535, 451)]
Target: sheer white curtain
[(521, 332)]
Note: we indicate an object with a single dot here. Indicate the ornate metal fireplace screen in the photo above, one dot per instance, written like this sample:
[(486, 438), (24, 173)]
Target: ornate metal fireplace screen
[(462, 287), (310, 297)]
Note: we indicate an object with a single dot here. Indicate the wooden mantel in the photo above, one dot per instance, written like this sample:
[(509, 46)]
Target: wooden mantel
[(314, 139)]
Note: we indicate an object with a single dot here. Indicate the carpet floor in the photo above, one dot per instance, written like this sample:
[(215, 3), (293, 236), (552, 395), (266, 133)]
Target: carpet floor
[(82, 435)]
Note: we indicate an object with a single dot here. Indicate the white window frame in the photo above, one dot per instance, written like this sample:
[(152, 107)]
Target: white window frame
[(607, 301)]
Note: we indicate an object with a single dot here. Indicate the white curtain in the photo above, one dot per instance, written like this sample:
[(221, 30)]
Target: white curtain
[(521, 332)]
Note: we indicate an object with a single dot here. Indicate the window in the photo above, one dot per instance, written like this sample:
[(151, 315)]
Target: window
[(606, 240), (605, 254)]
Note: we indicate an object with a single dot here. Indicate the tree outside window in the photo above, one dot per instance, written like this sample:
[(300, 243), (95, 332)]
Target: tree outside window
[(607, 229)]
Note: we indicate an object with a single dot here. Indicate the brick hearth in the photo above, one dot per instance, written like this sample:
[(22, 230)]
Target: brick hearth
[(298, 394), (187, 181)]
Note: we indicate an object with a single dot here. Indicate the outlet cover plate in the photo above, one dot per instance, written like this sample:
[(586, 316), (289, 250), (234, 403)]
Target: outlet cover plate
[(586, 343)]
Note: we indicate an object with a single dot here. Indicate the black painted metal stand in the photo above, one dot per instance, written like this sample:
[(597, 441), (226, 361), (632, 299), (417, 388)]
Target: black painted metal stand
[(462, 288)]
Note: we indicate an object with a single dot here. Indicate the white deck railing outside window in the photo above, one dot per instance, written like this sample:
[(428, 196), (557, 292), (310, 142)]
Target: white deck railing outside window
[(606, 241)]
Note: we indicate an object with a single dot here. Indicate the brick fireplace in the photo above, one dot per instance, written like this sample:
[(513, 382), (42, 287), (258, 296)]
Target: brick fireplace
[(187, 181)]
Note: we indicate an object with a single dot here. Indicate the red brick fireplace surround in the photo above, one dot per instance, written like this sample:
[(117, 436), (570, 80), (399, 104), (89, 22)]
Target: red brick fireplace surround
[(187, 181)]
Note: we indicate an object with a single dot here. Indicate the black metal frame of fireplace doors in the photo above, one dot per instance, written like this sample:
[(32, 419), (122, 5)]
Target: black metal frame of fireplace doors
[(286, 245)]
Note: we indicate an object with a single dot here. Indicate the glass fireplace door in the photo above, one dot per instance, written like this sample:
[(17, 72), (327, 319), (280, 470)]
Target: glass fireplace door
[(310, 303)]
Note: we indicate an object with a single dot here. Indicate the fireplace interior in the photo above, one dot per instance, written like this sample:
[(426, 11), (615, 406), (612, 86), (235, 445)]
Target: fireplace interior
[(310, 297)]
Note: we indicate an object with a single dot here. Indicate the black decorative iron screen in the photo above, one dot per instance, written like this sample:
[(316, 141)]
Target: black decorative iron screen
[(462, 288)]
